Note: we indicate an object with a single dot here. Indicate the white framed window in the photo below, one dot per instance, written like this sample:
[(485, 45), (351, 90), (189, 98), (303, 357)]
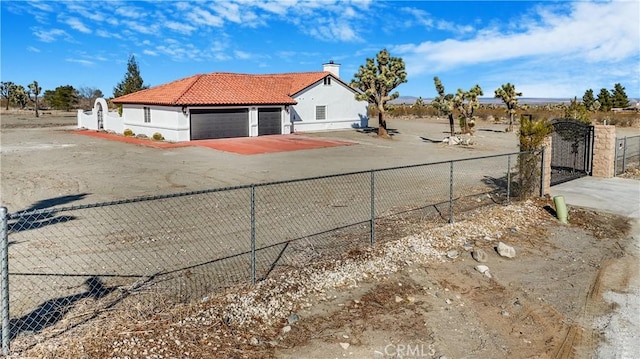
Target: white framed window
[(327, 80), (321, 112), (147, 114)]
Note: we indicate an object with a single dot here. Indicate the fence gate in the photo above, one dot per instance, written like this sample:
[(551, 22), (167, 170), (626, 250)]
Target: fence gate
[(572, 150)]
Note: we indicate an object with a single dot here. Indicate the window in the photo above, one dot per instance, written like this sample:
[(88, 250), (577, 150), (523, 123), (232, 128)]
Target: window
[(321, 112), (147, 114), (327, 80)]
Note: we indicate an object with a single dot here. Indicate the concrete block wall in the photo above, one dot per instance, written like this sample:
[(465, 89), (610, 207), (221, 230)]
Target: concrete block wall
[(604, 151), (546, 178)]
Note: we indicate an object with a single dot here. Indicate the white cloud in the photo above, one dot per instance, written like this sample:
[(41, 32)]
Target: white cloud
[(179, 27), (81, 62), (204, 17), (81, 9), (130, 12), (242, 55), (76, 24), (591, 32), (41, 5), (33, 49), (150, 52), (51, 35)]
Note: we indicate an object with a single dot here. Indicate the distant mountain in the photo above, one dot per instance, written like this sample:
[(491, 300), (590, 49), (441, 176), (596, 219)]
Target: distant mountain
[(410, 100)]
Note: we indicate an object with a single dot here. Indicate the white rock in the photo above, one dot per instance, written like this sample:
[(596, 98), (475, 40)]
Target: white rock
[(398, 299), (452, 254), (286, 329), (344, 346), (484, 270), (506, 250)]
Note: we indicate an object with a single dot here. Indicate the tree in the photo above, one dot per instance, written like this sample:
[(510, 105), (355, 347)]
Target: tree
[(604, 97), (132, 81), (62, 98), (444, 103), (589, 101), (89, 95), (577, 111), (619, 97), (376, 79), (19, 96), (35, 90), (419, 107), (6, 89), (507, 93), (466, 103)]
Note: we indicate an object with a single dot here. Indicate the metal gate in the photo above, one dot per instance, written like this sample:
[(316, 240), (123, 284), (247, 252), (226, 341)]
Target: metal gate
[(572, 150)]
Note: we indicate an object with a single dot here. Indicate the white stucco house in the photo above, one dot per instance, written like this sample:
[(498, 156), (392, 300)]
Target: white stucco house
[(222, 105)]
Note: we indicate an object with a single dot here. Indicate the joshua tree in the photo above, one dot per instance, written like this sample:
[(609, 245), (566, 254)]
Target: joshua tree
[(507, 93), (6, 89), (444, 103), (467, 102), (35, 90), (376, 79)]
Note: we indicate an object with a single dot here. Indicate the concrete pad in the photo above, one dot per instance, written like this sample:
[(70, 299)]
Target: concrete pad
[(239, 145), (614, 195)]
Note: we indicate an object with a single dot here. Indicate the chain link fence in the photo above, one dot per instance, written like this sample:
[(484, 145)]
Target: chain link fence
[(64, 266), (627, 154)]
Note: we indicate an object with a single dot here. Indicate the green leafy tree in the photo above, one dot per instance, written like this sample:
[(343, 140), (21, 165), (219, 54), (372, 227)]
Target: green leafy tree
[(605, 100), (577, 111), (20, 96), (619, 97), (508, 94), (62, 98), (376, 79), (35, 90), (132, 81), (589, 101), (444, 103), (6, 90), (466, 103)]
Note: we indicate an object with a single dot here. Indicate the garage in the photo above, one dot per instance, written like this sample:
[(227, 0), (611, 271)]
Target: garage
[(221, 123), (269, 121)]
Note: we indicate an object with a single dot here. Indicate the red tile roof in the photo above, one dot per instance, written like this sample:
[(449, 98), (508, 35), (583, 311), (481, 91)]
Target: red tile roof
[(221, 88)]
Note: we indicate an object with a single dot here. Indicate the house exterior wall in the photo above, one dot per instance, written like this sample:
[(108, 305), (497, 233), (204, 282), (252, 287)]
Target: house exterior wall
[(169, 121), (111, 119), (342, 109)]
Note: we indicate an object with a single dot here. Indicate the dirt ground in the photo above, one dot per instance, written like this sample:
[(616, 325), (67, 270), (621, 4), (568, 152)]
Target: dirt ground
[(411, 298), (408, 298)]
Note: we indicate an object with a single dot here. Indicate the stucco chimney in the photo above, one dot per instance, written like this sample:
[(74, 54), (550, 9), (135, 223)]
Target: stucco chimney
[(332, 67)]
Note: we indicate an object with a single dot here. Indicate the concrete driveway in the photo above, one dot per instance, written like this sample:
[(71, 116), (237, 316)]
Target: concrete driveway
[(614, 195)]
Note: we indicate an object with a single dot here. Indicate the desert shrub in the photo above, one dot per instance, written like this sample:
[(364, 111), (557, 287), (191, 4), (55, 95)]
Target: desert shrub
[(128, 132), (157, 136), (532, 134)]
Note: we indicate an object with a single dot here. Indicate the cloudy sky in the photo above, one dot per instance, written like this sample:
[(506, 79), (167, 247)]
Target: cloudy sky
[(546, 48)]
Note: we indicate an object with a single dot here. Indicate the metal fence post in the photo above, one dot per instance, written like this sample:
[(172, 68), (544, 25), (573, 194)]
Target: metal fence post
[(615, 159), (253, 234), (508, 178), (373, 210), (451, 192), (542, 169), (624, 154), (4, 233)]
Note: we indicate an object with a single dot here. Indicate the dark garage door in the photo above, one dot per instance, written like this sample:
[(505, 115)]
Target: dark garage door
[(269, 121), (208, 124)]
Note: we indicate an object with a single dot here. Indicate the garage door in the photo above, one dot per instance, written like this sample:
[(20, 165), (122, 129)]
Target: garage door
[(208, 124), (269, 121)]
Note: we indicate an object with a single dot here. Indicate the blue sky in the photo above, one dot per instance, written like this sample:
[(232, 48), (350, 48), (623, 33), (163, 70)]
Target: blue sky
[(547, 48)]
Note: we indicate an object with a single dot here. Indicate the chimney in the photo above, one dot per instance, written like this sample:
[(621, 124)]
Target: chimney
[(332, 67)]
